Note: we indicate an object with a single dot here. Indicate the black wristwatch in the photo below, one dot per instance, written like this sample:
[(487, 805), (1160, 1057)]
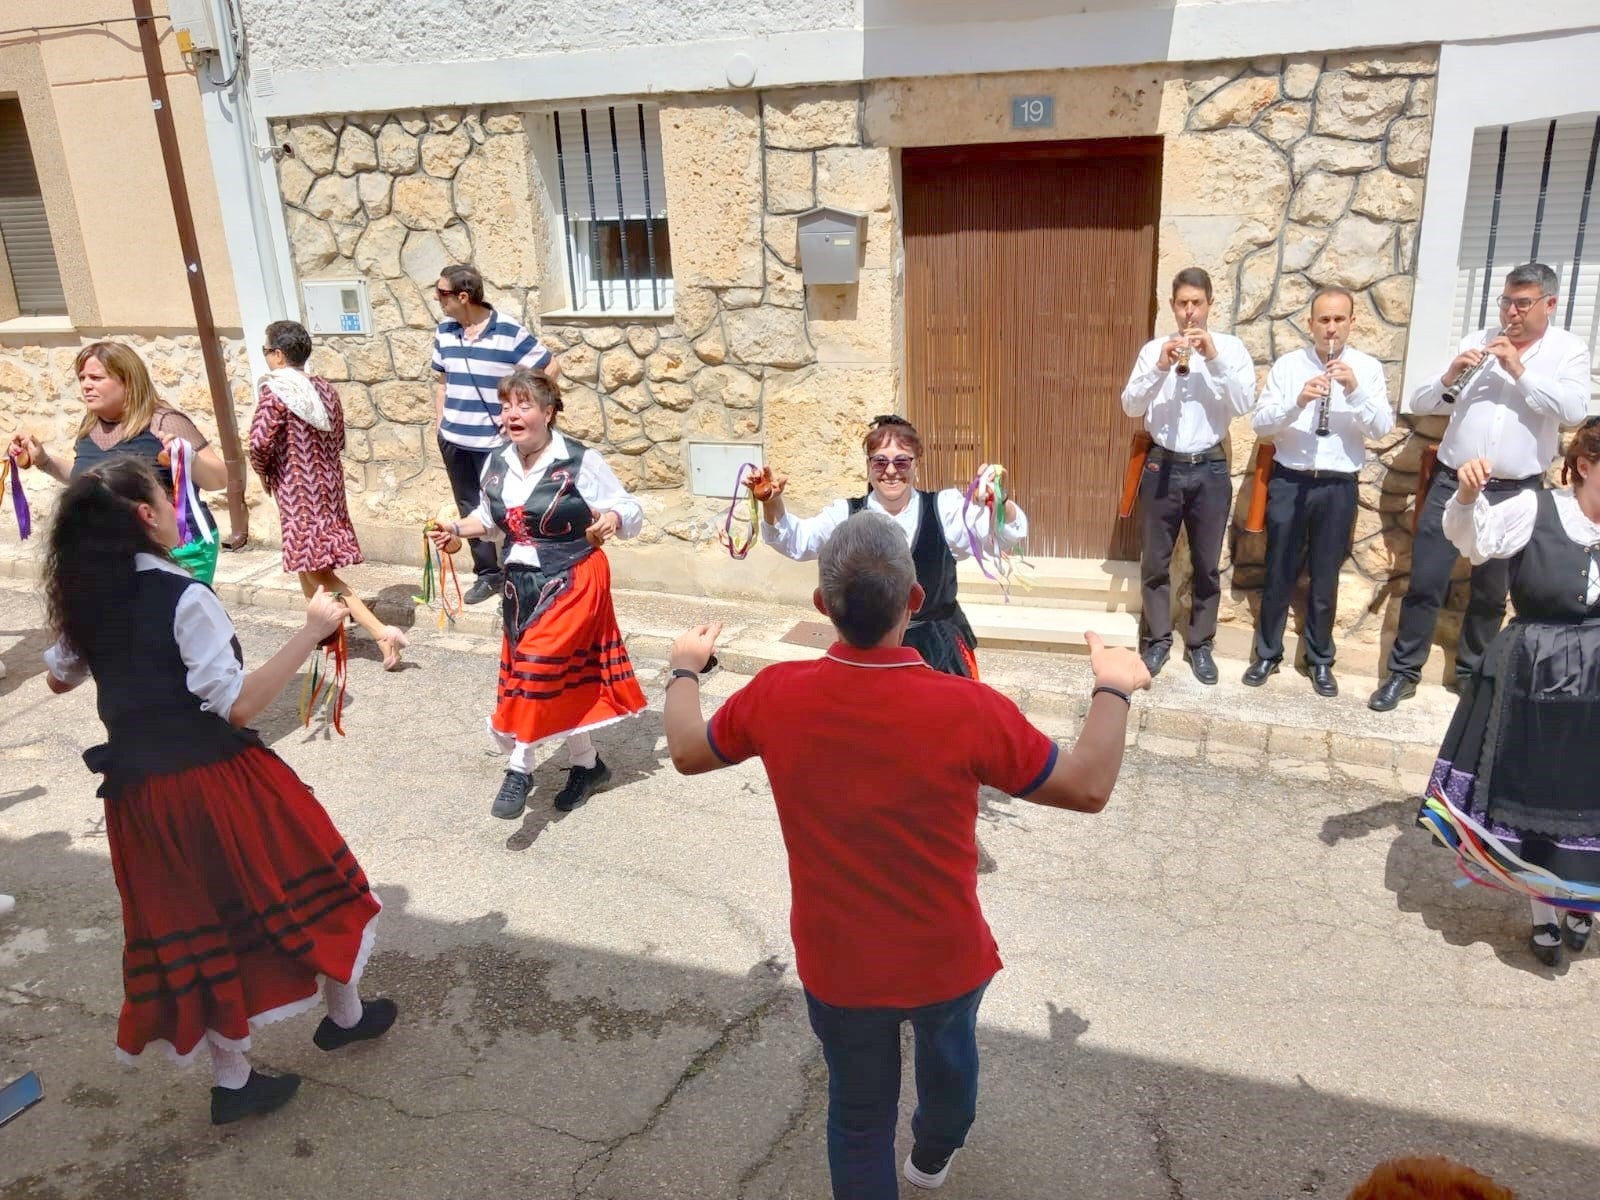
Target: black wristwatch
[(682, 673)]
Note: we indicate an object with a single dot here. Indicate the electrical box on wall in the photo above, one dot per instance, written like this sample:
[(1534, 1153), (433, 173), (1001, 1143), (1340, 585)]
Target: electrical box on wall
[(714, 466), (336, 306), (196, 25)]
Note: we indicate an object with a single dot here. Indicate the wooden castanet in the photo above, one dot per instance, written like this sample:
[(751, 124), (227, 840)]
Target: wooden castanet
[(1255, 520), (1430, 460), (1138, 452)]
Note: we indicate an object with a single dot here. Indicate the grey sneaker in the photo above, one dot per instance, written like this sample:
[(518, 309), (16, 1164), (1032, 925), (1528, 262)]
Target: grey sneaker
[(512, 797)]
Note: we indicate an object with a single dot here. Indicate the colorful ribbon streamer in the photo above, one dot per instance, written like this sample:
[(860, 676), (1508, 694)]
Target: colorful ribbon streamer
[(438, 577), (745, 481), (191, 513), (1485, 859), (986, 492), (19, 498), (326, 684)]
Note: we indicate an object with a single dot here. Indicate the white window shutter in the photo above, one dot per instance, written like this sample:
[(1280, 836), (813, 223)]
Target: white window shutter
[(24, 228), (626, 165)]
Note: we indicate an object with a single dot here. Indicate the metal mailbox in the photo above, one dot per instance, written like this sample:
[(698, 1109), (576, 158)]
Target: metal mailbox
[(831, 246)]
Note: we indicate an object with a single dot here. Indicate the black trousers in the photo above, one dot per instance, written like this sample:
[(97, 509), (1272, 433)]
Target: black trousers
[(465, 469), (1433, 559), (1192, 496), (1309, 520)]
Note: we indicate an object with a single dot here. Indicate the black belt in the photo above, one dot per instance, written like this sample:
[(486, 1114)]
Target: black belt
[(1495, 485), (1161, 454), (1314, 473)]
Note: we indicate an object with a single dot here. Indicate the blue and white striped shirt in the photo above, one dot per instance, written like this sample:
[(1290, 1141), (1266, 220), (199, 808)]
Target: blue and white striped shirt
[(472, 370)]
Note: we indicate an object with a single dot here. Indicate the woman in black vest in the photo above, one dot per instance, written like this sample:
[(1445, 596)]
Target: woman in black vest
[(939, 525), (1521, 755), (563, 668), (125, 416), (239, 897)]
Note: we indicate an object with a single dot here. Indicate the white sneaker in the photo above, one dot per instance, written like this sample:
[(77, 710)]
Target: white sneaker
[(922, 1179), (6, 904)]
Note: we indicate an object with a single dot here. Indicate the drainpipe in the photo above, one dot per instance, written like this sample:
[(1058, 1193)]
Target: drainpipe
[(205, 325)]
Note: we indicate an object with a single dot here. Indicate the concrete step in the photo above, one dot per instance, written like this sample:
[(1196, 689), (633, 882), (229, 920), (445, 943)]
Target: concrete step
[(1024, 627), (1090, 584)]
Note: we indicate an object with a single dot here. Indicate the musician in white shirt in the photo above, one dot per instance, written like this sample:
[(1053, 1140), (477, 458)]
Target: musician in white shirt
[(1535, 380), (1320, 405), (1187, 387)]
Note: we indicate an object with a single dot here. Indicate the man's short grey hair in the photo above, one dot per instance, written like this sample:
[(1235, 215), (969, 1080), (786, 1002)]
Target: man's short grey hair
[(1533, 273), (866, 575)]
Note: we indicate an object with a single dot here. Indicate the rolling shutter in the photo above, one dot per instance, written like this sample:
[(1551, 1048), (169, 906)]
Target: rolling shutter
[(24, 229)]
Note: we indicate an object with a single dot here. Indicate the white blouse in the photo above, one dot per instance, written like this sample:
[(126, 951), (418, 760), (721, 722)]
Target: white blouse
[(803, 539), (598, 484), (1482, 531), (204, 635)]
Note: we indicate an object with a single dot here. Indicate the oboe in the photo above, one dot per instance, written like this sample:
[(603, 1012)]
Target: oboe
[(1456, 390), (1332, 351)]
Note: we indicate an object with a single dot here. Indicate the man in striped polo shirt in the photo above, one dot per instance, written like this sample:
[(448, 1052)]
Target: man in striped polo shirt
[(475, 348)]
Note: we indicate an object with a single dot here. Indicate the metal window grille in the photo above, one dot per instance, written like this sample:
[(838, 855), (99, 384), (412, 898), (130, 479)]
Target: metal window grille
[(24, 228), (613, 208), (1531, 197)]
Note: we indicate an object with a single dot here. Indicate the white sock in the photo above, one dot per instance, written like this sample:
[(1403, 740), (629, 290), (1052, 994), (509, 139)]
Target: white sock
[(1545, 914), (230, 1068), (581, 751), (344, 1003), (522, 758), (1578, 921)]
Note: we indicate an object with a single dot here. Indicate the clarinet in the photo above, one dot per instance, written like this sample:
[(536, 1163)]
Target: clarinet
[(1465, 380), (1335, 349)]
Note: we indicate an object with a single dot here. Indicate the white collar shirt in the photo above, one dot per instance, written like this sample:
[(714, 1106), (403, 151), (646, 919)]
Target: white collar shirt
[(1189, 414), (1514, 423), (1353, 416)]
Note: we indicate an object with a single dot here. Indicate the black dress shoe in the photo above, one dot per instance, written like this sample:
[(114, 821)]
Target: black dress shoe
[(1155, 657), (1391, 691), (1577, 927), (582, 782), (1256, 673), (1322, 680), (376, 1017), (1550, 955), (1202, 664), (512, 797), (259, 1096), (482, 588)]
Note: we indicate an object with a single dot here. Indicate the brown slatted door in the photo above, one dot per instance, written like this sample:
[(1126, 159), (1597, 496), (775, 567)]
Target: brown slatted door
[(1030, 286)]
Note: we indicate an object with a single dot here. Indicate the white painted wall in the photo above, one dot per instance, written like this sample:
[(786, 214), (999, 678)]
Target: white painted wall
[(1484, 83)]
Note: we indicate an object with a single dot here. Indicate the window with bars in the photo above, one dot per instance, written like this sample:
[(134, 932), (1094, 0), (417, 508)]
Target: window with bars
[(24, 228), (1530, 197), (613, 205)]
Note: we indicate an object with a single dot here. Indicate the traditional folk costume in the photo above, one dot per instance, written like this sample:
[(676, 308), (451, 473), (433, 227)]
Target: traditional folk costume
[(1521, 754), (238, 894), (196, 555), (940, 528), (296, 438), (564, 671)]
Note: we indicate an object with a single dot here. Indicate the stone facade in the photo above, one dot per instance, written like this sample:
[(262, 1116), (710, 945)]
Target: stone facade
[(1278, 175)]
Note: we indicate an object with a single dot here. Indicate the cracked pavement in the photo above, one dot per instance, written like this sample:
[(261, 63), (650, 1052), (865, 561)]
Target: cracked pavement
[(1230, 985)]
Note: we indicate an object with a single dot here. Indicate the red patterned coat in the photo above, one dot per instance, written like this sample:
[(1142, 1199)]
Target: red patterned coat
[(302, 470)]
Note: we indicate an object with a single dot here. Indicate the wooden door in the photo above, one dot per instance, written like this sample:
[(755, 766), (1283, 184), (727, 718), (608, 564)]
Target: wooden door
[(1030, 286)]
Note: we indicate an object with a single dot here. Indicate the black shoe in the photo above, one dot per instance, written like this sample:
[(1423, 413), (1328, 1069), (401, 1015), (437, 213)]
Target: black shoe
[(376, 1017), (1256, 673), (926, 1172), (1577, 927), (1391, 691), (482, 588), (1202, 664), (260, 1095), (1155, 657), (1550, 955), (1322, 680), (582, 782), (513, 796)]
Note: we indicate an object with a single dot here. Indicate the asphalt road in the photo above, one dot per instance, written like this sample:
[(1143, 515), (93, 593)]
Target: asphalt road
[(1227, 986)]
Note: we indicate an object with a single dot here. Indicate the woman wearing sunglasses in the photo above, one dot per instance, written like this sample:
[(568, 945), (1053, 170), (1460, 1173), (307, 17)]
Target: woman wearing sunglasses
[(940, 527), (1521, 756)]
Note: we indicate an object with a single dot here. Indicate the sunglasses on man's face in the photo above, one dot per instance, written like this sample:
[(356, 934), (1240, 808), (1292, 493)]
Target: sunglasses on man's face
[(444, 293), (881, 463)]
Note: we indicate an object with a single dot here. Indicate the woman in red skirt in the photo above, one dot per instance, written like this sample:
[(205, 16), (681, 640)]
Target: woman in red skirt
[(238, 894), (563, 668)]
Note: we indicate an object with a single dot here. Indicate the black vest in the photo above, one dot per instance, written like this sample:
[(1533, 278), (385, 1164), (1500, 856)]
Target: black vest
[(154, 723), (1550, 576), (554, 519), (145, 445)]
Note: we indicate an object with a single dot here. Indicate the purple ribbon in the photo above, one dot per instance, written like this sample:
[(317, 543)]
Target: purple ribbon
[(19, 501)]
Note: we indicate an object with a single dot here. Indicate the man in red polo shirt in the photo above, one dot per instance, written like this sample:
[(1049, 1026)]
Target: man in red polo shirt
[(875, 762)]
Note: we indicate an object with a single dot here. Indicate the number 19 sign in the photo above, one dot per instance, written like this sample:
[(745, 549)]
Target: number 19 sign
[(1033, 112)]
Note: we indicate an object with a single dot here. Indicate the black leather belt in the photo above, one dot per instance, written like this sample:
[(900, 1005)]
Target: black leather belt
[(1161, 454), (1495, 485), (1313, 473)]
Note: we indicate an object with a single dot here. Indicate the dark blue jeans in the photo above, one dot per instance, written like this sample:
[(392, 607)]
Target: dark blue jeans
[(862, 1048)]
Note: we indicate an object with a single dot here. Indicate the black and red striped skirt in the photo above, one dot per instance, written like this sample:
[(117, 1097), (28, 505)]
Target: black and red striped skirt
[(569, 670), (238, 895)]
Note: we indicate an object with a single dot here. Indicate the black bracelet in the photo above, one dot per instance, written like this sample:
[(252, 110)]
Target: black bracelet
[(1117, 692), (682, 673)]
